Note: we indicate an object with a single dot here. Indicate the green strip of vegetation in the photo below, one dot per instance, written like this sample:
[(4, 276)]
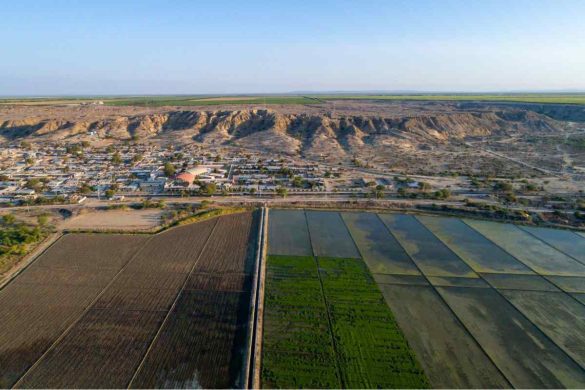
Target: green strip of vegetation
[(297, 349), (17, 238), (146, 101), (517, 98), (326, 325), (372, 351)]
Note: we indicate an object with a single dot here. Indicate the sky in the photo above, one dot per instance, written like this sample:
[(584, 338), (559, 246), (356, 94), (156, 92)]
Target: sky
[(60, 47)]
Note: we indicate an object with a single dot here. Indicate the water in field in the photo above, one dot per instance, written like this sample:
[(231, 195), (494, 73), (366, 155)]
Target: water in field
[(288, 233), (521, 351), (540, 257), (564, 240), (557, 315), (432, 256), (570, 284), (480, 253), (378, 247), (482, 304), (329, 235)]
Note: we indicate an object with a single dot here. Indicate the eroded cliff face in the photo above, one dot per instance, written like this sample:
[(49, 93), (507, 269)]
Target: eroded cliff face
[(289, 133)]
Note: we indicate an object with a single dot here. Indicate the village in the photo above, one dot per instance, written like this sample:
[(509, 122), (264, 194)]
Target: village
[(46, 174)]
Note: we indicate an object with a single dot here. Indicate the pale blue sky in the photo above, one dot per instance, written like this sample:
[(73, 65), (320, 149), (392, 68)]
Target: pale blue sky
[(256, 46)]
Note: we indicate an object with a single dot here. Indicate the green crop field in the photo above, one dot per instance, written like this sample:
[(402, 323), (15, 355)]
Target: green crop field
[(515, 98), (182, 101), (212, 100), (326, 325)]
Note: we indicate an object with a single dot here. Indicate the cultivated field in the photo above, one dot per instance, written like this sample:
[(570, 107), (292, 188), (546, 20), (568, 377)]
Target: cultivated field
[(113, 311), (325, 320), (481, 304)]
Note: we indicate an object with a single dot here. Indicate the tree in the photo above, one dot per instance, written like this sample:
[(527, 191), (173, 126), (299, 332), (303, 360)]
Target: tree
[(110, 193), (8, 219), (282, 191), (209, 189), (252, 191), (84, 188), (298, 182), (116, 159), (137, 158), (424, 186), (503, 186), (34, 184), (169, 169), (443, 194), (43, 219), (378, 192), (85, 144)]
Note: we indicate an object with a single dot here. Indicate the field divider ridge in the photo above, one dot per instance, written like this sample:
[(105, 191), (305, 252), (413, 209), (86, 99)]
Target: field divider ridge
[(255, 326), (551, 245), (170, 310), (76, 321), (514, 307), (329, 321), (536, 273), (434, 288)]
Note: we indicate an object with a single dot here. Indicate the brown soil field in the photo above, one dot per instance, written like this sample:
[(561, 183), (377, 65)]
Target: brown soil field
[(202, 344), (130, 220), (50, 294), (94, 309)]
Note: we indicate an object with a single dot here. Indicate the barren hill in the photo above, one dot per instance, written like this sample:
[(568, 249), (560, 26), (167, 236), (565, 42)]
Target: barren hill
[(306, 130)]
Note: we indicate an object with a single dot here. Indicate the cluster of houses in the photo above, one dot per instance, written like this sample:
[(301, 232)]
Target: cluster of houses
[(29, 173)]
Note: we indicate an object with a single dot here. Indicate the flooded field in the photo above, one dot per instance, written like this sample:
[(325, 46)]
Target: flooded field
[(481, 304)]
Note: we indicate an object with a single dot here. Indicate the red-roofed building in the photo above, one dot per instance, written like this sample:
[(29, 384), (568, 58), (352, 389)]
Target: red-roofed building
[(185, 177)]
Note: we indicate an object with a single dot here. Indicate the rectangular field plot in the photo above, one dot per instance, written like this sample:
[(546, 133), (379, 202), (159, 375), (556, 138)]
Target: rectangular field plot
[(579, 297), (379, 249), (31, 318), (202, 344), (230, 248), (432, 256), (539, 256), (371, 350), (570, 284), (288, 233), (520, 282), (329, 235), (297, 349), (151, 299), (102, 350), (527, 357), (414, 280), (91, 251), (222, 282), (85, 313), (174, 250), (557, 315), (450, 356), (564, 240), (480, 253), (447, 281), (37, 275)]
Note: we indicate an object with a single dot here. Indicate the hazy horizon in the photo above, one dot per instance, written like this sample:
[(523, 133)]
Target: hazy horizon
[(70, 48)]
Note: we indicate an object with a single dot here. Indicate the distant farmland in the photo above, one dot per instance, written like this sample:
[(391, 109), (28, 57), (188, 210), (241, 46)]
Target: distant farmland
[(480, 304), (112, 311), (214, 100)]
